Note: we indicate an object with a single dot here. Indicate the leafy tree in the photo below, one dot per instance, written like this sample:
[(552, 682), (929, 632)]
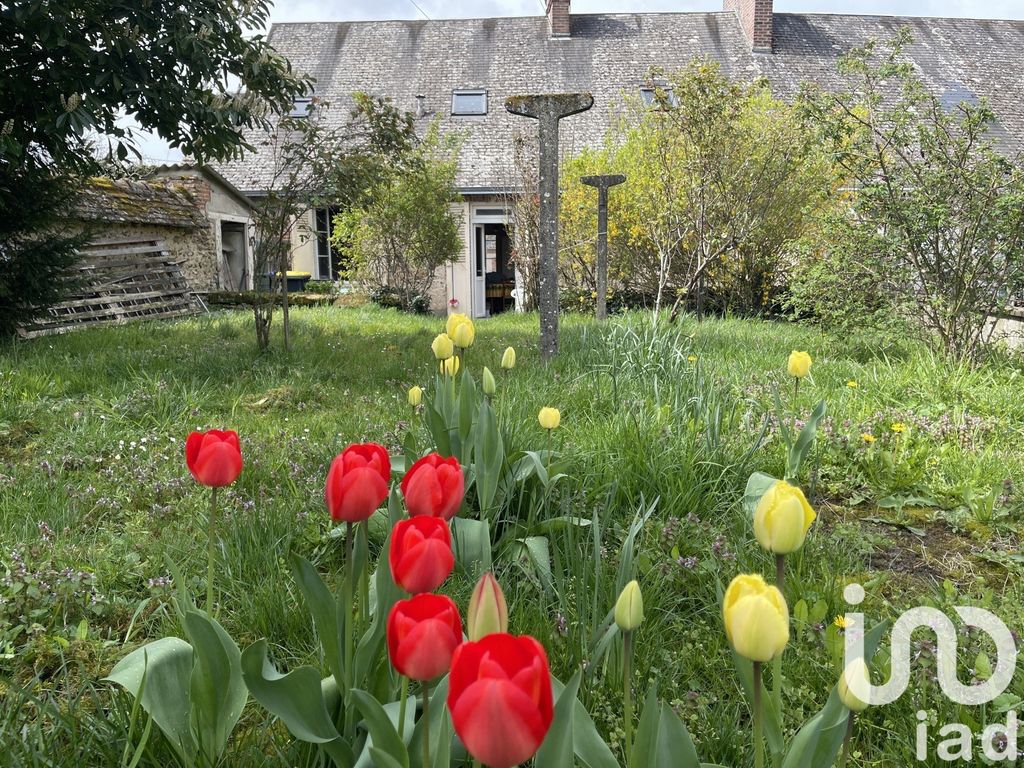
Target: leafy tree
[(721, 179), (405, 230), (36, 252), (192, 72), (313, 165), (936, 216)]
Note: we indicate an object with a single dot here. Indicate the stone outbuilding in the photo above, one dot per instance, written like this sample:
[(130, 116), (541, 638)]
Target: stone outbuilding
[(203, 221)]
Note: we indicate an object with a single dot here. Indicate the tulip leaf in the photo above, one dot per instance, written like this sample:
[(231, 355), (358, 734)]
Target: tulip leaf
[(557, 749), (435, 422), (538, 553), (757, 486), (218, 691), (471, 541), (322, 607), (466, 424), (161, 672), (489, 458), (382, 731), (772, 726), (296, 698), (387, 594), (443, 741), (590, 749), (660, 742), (437, 722), (382, 759), (804, 442)]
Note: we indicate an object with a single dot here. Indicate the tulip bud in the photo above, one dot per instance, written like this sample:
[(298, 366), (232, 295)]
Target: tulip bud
[(799, 364), (442, 347), (853, 686), (549, 418), (488, 612), (488, 384), (461, 330), (415, 396), (508, 359), (756, 618), (782, 518), (629, 608), (450, 366)]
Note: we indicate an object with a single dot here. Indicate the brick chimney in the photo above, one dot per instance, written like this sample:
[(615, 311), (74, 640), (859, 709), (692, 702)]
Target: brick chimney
[(755, 20), (558, 18)]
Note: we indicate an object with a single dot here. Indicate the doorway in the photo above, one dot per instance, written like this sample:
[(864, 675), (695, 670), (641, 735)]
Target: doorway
[(494, 277), (234, 256)]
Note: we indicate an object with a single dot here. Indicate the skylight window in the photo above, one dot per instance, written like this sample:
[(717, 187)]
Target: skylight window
[(469, 102), (650, 95)]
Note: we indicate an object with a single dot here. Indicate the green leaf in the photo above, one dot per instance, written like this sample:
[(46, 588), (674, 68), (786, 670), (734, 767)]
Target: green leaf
[(323, 609), (538, 553), (489, 458), (557, 749), (437, 722), (471, 540), (772, 726), (166, 667), (757, 486), (467, 413), (296, 698), (662, 740), (589, 747), (218, 691), (804, 442), (383, 734), (386, 594), (382, 759)]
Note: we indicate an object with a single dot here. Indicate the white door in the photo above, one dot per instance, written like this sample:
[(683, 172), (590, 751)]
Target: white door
[(479, 283)]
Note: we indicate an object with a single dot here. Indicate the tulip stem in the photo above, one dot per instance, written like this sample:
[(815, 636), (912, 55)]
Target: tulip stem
[(758, 719), (847, 739), (627, 692), (402, 696), (211, 551), (780, 582), (346, 607), (426, 724)]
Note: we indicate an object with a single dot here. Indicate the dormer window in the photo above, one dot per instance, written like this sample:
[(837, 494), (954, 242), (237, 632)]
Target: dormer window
[(469, 102), (300, 108), (650, 95)]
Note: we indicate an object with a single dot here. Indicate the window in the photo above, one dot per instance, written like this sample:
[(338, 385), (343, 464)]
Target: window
[(469, 102), (300, 108), (324, 248), (650, 95)]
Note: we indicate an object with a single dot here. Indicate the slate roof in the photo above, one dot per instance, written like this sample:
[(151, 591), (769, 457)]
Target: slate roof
[(127, 201), (611, 53)]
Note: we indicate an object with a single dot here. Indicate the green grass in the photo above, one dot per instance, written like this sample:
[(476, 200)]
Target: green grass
[(92, 479)]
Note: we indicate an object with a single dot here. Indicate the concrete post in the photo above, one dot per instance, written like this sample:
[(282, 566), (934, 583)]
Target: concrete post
[(603, 183), (548, 110)]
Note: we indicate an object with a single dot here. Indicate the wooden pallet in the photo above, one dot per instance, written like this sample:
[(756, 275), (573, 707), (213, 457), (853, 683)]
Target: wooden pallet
[(120, 281)]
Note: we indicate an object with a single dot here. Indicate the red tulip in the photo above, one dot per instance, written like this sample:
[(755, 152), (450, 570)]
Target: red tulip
[(434, 486), (357, 482), (499, 696), (421, 554), (423, 633), (214, 458)]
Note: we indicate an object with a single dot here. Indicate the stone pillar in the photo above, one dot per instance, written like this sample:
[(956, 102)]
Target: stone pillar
[(548, 110), (603, 183)]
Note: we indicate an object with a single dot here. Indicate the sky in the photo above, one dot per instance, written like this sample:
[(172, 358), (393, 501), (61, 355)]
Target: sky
[(155, 150)]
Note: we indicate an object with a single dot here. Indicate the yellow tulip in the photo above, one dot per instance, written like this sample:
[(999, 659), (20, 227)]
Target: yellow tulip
[(450, 366), (488, 385), (549, 418), (756, 618), (853, 685), (415, 396), (461, 331), (629, 608), (454, 319), (488, 612), (508, 359), (799, 364), (782, 518), (442, 347)]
